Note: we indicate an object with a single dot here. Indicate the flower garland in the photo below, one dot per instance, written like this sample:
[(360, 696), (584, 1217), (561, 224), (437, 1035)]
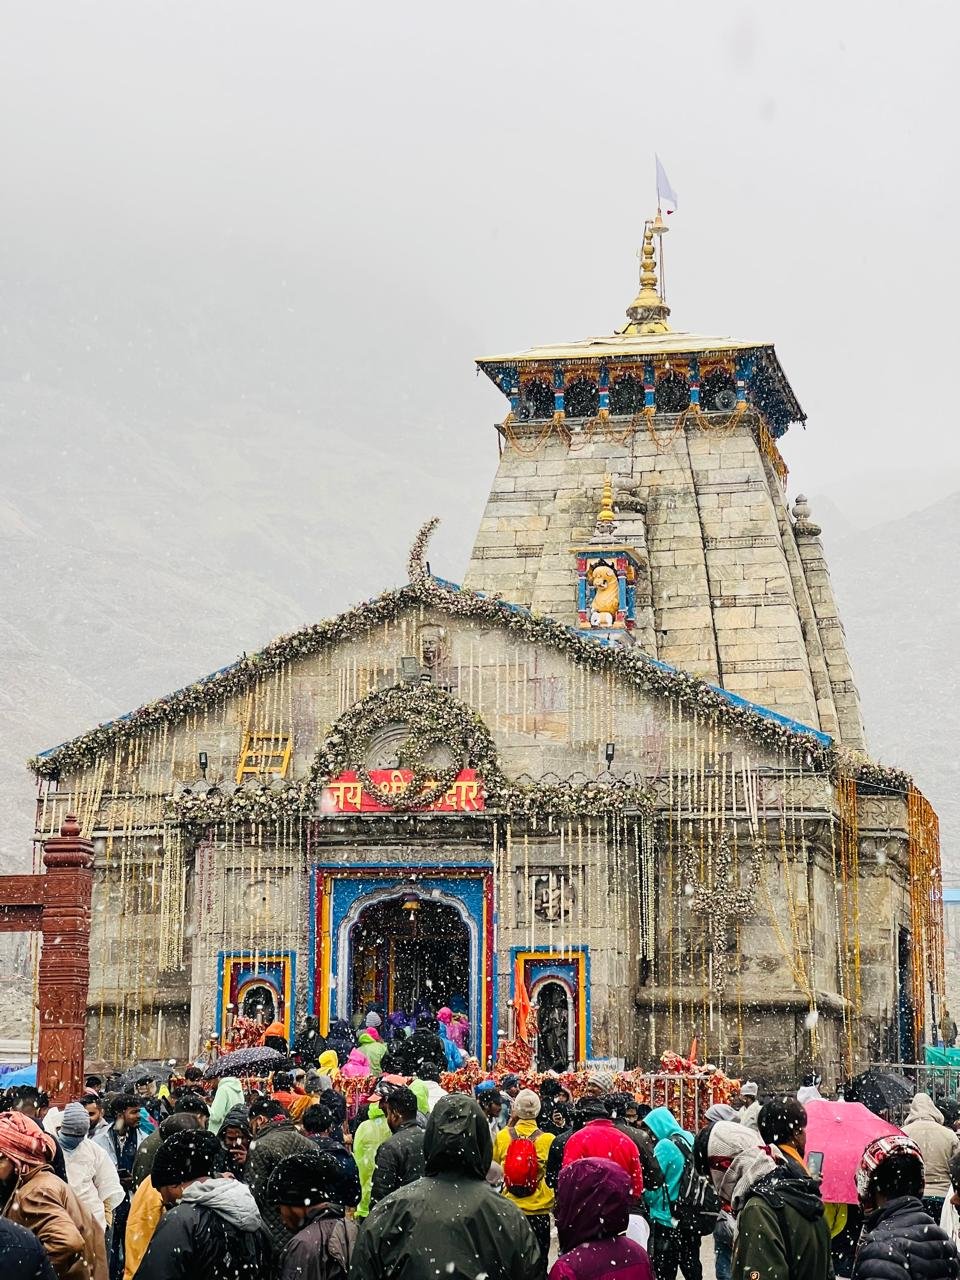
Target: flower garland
[(435, 717), (261, 802), (686, 1087), (632, 666)]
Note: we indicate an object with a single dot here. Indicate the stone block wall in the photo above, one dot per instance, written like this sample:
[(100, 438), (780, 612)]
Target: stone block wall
[(548, 715), (249, 896), (832, 640), (730, 599)]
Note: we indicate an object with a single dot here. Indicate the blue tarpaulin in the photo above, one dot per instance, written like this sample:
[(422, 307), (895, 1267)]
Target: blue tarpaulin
[(20, 1075)]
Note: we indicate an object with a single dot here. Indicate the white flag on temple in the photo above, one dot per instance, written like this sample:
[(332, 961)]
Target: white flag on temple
[(665, 192)]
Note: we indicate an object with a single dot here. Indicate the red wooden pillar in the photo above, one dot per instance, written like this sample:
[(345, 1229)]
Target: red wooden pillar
[(64, 962)]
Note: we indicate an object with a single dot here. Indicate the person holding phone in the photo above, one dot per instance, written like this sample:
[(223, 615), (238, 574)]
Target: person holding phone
[(781, 1231)]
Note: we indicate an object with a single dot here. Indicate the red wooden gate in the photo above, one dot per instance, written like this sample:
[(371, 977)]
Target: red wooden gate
[(57, 904)]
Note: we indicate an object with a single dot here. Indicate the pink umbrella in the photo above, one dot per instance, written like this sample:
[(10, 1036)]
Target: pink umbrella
[(838, 1133)]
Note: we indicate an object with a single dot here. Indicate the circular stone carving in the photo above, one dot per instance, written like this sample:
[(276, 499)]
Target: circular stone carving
[(413, 727), (432, 748)]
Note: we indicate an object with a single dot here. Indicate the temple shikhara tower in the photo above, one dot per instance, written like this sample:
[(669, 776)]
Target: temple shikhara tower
[(624, 765)]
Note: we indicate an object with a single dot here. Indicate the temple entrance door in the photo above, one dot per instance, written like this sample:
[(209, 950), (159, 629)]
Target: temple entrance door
[(410, 954), (554, 1027), (905, 1005)]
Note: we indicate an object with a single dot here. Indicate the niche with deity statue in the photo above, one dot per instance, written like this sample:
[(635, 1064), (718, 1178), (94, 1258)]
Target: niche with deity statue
[(607, 573)]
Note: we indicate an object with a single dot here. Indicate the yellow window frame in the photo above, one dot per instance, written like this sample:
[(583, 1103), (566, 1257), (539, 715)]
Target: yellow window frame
[(264, 753)]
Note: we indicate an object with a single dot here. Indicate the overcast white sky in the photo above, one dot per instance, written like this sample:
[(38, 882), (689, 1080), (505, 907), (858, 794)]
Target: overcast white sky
[(476, 178)]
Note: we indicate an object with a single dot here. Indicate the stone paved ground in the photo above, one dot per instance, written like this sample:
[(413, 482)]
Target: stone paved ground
[(706, 1257)]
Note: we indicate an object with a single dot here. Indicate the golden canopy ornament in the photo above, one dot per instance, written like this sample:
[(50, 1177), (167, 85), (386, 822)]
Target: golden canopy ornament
[(648, 312)]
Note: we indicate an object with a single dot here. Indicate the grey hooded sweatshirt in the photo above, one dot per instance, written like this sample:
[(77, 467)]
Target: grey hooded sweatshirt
[(938, 1144), (214, 1233)]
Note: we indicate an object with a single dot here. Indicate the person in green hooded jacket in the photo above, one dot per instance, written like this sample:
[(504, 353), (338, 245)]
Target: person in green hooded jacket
[(419, 1088), (374, 1050), (449, 1222), (371, 1134), (675, 1241), (229, 1095), (782, 1233)]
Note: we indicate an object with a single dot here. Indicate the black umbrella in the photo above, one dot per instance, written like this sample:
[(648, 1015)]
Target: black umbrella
[(138, 1075), (245, 1062), (880, 1090)]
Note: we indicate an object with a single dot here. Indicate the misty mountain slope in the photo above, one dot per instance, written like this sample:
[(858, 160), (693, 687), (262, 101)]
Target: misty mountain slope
[(140, 556), (37, 694), (897, 589), (197, 460)]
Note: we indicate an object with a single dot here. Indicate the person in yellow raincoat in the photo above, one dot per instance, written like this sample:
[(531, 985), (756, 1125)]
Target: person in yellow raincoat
[(536, 1207)]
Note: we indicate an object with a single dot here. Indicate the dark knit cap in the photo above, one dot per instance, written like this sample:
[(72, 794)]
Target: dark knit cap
[(306, 1180), (186, 1156), (336, 1104), (617, 1104), (179, 1122), (236, 1118), (588, 1109)]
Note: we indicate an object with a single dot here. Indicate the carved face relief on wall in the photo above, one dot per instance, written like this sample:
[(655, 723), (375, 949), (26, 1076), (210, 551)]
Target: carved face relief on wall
[(552, 894)]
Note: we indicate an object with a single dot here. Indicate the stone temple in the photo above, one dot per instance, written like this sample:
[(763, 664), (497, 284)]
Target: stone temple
[(623, 765)]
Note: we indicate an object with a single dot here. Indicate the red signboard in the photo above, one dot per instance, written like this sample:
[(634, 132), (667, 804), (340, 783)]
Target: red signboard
[(346, 794)]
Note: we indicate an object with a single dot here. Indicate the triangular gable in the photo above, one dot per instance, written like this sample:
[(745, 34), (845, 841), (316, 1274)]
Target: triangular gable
[(637, 668)]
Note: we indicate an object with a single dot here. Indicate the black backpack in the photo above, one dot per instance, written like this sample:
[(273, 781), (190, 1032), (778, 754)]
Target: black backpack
[(697, 1204)]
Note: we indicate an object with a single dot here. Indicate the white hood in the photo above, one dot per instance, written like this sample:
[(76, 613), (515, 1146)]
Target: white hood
[(809, 1093), (230, 1199), (923, 1108)]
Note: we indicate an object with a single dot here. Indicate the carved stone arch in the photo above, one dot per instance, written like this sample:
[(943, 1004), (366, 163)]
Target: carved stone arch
[(429, 731)]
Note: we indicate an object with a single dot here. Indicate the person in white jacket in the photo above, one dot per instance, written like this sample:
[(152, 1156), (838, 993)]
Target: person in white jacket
[(950, 1218), (749, 1091), (90, 1172), (809, 1090)]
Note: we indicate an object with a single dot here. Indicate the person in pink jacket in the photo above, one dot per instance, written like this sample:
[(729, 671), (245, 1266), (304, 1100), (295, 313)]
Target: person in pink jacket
[(457, 1027), (357, 1064)]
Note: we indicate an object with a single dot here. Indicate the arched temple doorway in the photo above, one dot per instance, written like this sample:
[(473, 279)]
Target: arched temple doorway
[(409, 953), (555, 1025)]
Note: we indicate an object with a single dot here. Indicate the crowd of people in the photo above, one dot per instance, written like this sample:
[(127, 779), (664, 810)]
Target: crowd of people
[(301, 1176)]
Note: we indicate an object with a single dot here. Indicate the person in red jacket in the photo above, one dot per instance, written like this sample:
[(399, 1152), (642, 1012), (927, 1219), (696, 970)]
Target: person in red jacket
[(592, 1211), (600, 1138)]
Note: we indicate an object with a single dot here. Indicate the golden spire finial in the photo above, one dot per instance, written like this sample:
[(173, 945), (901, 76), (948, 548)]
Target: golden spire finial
[(605, 514), (648, 312)]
